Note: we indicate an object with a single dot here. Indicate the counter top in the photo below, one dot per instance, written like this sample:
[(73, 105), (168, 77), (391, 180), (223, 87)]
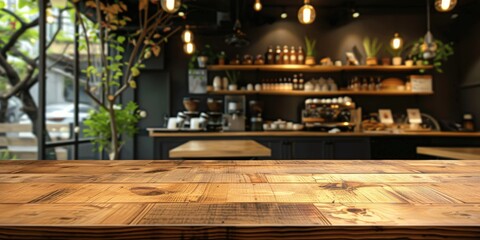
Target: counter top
[(220, 149), (309, 134), (299, 199), (451, 152)]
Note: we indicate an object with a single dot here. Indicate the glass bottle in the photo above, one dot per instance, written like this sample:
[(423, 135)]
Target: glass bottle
[(278, 55), (286, 55), (293, 55), (301, 85), (270, 56), (295, 82), (300, 56)]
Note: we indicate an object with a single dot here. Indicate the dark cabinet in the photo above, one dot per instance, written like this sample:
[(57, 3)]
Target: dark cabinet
[(358, 148), (305, 149)]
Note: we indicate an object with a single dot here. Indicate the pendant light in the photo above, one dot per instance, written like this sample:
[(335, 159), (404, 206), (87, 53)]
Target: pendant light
[(171, 6), (445, 5), (429, 47), (257, 5), (59, 3), (189, 48), (396, 42), (187, 35), (238, 38), (306, 14)]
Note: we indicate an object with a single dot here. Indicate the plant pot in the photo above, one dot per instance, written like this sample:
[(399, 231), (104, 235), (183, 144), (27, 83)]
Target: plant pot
[(221, 61), (310, 60), (386, 61), (408, 63), (397, 61), (202, 61), (372, 61), (419, 63), (232, 87)]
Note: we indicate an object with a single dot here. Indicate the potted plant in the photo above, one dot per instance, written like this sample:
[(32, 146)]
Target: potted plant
[(233, 77), (442, 53), (117, 71), (206, 56), (310, 51), (372, 48), (221, 58), (396, 55)]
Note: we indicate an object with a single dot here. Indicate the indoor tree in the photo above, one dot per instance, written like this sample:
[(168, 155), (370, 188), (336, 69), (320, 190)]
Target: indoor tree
[(119, 71)]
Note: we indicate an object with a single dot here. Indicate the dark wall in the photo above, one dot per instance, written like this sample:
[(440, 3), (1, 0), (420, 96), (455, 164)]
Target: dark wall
[(469, 65)]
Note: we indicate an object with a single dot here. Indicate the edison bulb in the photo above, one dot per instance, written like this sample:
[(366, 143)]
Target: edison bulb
[(187, 36), (189, 48), (306, 14), (257, 6), (171, 6), (396, 42), (445, 5)]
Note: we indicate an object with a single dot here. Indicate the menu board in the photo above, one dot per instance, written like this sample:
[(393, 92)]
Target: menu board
[(197, 81)]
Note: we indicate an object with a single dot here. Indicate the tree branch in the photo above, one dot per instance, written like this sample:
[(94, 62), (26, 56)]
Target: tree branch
[(12, 75), (14, 15), (13, 39)]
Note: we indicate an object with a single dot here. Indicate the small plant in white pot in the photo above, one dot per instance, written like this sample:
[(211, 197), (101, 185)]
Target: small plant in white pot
[(372, 48), (233, 77), (396, 55)]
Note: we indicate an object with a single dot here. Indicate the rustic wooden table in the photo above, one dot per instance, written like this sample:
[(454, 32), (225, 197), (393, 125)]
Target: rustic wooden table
[(451, 152), (220, 149), (240, 199)]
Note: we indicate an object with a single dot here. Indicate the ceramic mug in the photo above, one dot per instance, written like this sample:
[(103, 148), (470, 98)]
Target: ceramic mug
[(195, 123), (172, 123)]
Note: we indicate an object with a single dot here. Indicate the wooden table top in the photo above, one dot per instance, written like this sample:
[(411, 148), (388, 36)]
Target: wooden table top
[(221, 198), (451, 152), (220, 149)]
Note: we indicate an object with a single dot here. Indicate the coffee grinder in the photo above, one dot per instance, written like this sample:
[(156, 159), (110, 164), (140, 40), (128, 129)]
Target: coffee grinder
[(234, 113), (215, 120), (256, 120)]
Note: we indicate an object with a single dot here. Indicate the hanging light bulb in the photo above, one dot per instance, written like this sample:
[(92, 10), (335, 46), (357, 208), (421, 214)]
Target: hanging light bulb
[(171, 6), (257, 6), (189, 48), (306, 14), (445, 5), (396, 42), (187, 35), (429, 47), (355, 13)]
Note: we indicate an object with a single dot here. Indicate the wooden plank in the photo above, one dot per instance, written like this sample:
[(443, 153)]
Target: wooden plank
[(464, 153), (18, 127), (400, 199), (401, 214), (17, 141), (315, 68), (219, 149)]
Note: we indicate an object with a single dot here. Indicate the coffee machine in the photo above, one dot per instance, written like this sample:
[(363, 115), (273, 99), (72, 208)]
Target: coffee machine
[(256, 120), (215, 121), (234, 118)]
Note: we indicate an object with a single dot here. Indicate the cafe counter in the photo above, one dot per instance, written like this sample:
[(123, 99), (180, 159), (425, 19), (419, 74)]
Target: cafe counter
[(321, 145)]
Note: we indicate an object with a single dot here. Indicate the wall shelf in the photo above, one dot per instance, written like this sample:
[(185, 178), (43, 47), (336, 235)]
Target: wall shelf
[(315, 68), (316, 93)]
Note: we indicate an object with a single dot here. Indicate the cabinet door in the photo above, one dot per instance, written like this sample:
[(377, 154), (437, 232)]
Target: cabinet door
[(350, 148), (164, 147), (307, 149)]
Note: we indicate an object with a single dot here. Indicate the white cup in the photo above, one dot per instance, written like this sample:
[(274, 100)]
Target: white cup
[(172, 123), (195, 123)]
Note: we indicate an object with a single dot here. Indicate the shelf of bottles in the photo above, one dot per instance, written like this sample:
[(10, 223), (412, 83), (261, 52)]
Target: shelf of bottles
[(319, 93)]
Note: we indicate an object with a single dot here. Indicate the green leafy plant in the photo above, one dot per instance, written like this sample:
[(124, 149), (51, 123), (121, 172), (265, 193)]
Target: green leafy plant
[(6, 155), (99, 127), (310, 46), (372, 46), (233, 76), (443, 52), (207, 51)]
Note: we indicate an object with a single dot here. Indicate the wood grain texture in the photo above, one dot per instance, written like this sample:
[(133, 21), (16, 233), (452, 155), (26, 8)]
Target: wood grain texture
[(220, 149), (451, 152), (226, 199), (153, 133)]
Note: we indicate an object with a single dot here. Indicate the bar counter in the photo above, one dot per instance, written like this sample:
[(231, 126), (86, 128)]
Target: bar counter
[(153, 133), (414, 199)]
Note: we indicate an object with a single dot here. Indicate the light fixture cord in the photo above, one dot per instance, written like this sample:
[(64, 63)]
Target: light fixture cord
[(428, 15)]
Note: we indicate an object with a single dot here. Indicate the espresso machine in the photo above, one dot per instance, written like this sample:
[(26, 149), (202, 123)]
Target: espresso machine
[(256, 120), (329, 113), (234, 117)]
